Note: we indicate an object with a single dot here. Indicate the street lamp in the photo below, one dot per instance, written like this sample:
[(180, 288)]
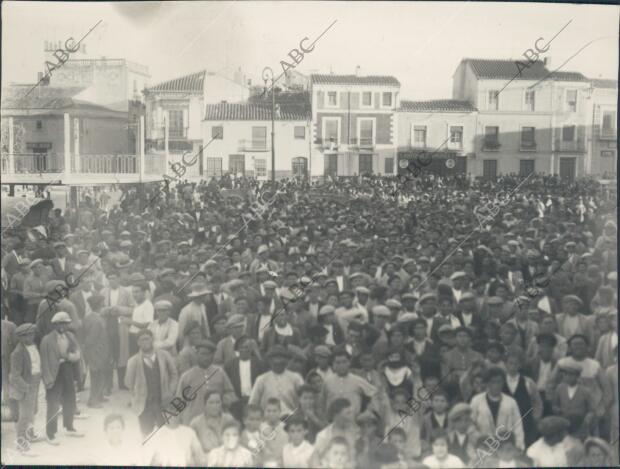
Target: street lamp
[(267, 76)]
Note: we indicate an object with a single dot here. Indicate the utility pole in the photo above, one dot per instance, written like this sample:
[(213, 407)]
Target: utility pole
[(267, 76)]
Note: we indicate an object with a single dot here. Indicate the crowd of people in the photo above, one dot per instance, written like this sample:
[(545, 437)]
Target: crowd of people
[(350, 323)]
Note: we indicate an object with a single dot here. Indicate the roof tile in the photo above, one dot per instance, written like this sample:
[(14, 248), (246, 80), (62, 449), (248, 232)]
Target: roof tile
[(258, 112), (444, 105), (192, 83), (374, 80)]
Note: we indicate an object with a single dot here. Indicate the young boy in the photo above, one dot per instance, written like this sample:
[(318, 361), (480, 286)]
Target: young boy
[(298, 451), (441, 458), (308, 411), (251, 437), (437, 417), (398, 438), (272, 431)]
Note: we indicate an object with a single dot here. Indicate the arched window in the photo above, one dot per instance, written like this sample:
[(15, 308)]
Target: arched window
[(300, 167)]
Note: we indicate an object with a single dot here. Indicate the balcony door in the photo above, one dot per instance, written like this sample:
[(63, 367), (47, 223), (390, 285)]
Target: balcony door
[(567, 168), (236, 164), (331, 165), (489, 169)]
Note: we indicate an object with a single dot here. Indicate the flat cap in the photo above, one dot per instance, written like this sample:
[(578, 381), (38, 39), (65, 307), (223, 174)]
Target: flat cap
[(278, 351), (381, 310), (35, 263), (459, 274), (495, 300), (467, 296), (427, 296), (326, 309), (235, 320), (322, 351), (552, 425), (362, 290), (270, 284), (392, 303), (458, 410), (574, 298), (61, 317), (163, 304)]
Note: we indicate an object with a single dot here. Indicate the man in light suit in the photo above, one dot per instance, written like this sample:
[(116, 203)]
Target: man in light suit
[(118, 303), (493, 411)]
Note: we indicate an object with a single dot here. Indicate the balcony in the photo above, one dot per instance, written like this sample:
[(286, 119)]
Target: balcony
[(330, 144), (33, 163), (253, 145), (573, 146), (364, 143), (491, 145), (608, 134), (528, 145), (458, 146)]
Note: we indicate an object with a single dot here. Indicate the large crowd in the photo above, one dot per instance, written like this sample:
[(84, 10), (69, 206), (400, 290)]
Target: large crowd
[(355, 323)]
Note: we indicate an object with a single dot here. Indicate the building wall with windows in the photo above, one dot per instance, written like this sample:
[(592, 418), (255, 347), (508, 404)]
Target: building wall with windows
[(237, 139), (602, 135), (354, 124), (436, 131)]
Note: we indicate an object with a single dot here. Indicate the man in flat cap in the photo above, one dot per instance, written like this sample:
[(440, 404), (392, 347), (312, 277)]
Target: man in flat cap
[(60, 354), (201, 378), (24, 381), (165, 329), (279, 382), (152, 379)]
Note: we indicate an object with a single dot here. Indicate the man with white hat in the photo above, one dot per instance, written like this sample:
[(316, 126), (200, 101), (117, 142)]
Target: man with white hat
[(165, 329), (195, 310), (60, 354)]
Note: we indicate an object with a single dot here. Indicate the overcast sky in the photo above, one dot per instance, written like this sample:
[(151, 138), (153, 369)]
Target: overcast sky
[(419, 43)]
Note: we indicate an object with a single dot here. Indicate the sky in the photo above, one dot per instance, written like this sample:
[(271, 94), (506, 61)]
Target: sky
[(420, 43)]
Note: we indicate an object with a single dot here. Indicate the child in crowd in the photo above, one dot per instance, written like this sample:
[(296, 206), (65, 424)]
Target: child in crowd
[(298, 452), (398, 438), (272, 431), (251, 437), (231, 453), (437, 417), (307, 410), (337, 454), (441, 458)]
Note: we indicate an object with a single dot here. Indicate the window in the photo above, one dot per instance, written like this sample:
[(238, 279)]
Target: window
[(530, 100), (260, 167), (387, 99), (217, 132), (456, 135), (300, 167), (175, 125), (568, 133), (528, 138), (491, 138), (366, 98), (366, 132), (214, 167), (571, 100), (331, 131), (332, 98), (526, 167), (493, 103), (489, 169), (608, 124), (300, 132), (259, 138), (419, 136), (389, 166), (39, 125), (607, 153), (365, 163)]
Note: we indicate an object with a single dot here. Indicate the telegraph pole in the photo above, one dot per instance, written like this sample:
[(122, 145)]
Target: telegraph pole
[(268, 76)]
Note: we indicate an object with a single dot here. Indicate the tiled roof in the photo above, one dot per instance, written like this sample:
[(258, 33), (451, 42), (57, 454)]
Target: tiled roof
[(189, 84), (447, 105), (45, 97), (375, 80), (568, 76), (258, 112), (507, 69), (604, 83)]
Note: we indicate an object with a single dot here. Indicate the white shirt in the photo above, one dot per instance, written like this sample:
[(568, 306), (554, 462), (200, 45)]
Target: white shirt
[(114, 294), (512, 383), (571, 391), (467, 317), (297, 456), (544, 455), (450, 461), (35, 359), (543, 375), (142, 313), (245, 377)]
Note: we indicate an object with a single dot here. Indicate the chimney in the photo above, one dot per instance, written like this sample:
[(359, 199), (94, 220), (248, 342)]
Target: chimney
[(357, 71)]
